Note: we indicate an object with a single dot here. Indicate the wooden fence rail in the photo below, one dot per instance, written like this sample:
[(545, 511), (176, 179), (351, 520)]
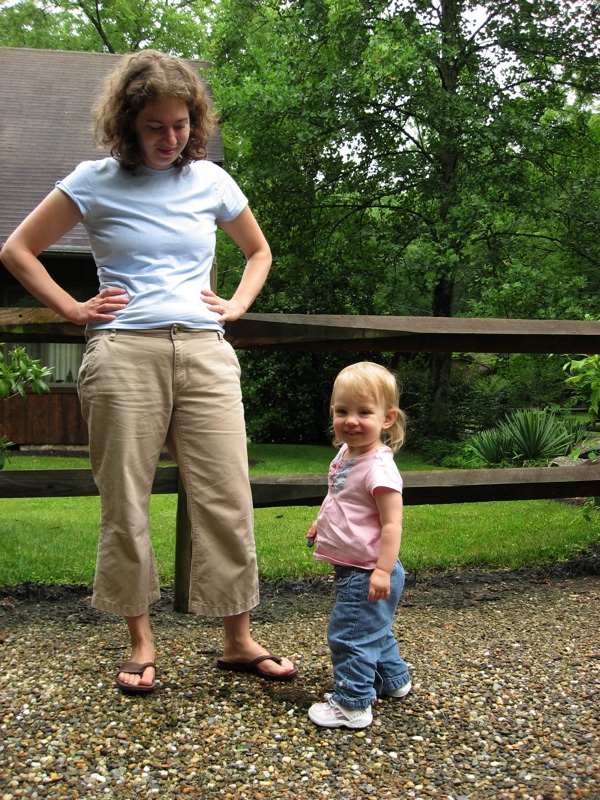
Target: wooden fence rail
[(352, 332), (427, 487)]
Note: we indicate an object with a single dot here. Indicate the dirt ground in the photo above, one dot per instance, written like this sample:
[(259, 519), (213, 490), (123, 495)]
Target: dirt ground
[(449, 589)]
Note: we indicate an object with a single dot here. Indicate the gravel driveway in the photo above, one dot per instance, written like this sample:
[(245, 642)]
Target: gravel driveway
[(505, 667)]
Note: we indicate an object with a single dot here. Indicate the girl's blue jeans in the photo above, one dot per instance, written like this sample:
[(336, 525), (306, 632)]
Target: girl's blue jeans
[(364, 652)]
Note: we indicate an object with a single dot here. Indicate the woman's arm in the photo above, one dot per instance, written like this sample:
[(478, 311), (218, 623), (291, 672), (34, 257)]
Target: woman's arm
[(55, 216), (246, 233)]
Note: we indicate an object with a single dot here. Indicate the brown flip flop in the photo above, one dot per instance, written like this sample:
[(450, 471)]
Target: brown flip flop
[(252, 668), (134, 668)]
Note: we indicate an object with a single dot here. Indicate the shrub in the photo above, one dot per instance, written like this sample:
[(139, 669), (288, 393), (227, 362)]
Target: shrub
[(18, 373), (534, 434), (481, 391), (529, 380), (578, 430), (585, 376), (491, 446), (527, 435)]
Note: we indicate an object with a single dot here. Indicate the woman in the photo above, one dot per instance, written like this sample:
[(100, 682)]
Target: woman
[(157, 368)]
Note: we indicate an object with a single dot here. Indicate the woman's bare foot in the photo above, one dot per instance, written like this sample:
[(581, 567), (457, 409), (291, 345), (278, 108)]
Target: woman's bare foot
[(133, 679), (142, 652), (240, 647)]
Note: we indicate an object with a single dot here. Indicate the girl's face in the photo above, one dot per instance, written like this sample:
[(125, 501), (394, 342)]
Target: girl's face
[(162, 129), (359, 421)]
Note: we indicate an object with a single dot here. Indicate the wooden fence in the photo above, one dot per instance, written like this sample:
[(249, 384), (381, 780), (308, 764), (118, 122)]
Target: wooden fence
[(348, 333)]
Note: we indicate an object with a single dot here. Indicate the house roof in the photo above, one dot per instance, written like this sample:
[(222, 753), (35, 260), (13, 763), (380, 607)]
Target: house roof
[(46, 98)]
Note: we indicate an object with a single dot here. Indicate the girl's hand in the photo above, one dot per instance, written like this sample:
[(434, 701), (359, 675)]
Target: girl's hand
[(311, 536), (101, 307), (228, 310), (379, 585)]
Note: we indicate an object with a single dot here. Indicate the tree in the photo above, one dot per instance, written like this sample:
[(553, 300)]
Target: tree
[(548, 260), (413, 151), (415, 157), (112, 26)]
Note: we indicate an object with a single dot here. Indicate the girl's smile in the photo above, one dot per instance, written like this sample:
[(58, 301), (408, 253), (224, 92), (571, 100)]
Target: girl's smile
[(359, 421)]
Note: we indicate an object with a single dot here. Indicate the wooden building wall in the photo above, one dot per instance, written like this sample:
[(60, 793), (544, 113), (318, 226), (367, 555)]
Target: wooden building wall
[(53, 418)]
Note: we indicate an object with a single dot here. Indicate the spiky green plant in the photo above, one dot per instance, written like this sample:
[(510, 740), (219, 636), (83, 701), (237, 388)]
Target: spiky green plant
[(527, 435), (491, 446), (533, 434)]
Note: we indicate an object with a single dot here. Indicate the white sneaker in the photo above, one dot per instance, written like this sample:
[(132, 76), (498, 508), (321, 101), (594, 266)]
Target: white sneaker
[(402, 691), (332, 715)]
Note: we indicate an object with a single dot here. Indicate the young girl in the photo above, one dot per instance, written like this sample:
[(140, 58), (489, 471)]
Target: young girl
[(358, 530)]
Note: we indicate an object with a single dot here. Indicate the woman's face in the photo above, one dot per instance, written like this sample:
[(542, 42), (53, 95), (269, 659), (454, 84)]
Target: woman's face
[(162, 129)]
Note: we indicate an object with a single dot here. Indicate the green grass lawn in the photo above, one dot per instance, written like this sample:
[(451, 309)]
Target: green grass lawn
[(53, 540)]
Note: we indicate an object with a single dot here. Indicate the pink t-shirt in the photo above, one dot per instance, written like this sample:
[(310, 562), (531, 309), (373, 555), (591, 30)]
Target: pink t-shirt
[(348, 524)]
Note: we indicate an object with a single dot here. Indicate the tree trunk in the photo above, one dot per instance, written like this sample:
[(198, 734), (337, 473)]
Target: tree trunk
[(443, 293), (441, 364)]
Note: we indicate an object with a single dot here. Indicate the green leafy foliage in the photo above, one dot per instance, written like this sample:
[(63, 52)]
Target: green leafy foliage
[(19, 372), (113, 26), (534, 434), (578, 432), (528, 380), (585, 377), (5, 444), (418, 163), (281, 407)]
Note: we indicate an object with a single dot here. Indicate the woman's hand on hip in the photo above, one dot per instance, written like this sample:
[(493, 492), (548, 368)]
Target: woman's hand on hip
[(227, 310), (101, 308)]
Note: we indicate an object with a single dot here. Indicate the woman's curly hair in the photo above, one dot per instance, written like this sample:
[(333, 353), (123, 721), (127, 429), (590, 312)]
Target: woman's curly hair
[(141, 78)]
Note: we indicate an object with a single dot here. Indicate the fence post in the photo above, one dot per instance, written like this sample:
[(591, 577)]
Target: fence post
[(183, 551)]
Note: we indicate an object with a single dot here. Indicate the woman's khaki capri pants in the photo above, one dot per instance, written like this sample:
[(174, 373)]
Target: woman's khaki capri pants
[(138, 391)]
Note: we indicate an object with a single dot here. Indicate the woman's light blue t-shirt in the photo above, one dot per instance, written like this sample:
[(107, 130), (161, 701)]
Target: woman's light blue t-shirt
[(154, 233)]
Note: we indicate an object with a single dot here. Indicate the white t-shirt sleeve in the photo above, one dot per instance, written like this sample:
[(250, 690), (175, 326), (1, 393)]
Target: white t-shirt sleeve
[(233, 200), (79, 186)]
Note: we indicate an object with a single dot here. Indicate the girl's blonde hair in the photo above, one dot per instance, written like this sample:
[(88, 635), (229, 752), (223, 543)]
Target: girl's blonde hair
[(141, 78), (367, 380)]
